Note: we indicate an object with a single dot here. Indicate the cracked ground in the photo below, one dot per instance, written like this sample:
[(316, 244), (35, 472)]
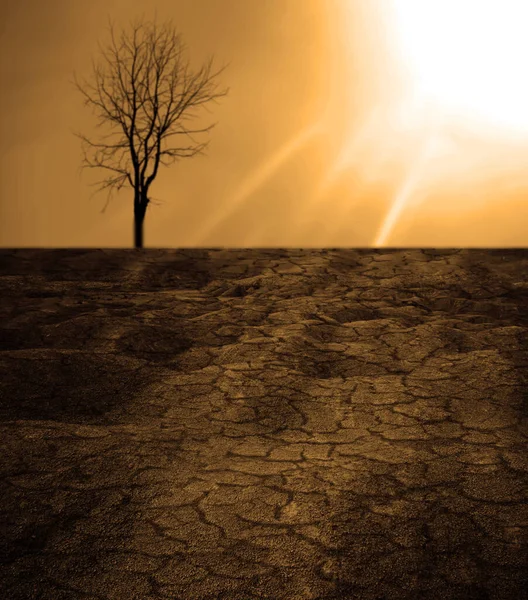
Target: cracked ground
[(249, 424)]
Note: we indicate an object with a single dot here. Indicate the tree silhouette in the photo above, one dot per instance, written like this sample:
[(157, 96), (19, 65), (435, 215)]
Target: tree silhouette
[(146, 94)]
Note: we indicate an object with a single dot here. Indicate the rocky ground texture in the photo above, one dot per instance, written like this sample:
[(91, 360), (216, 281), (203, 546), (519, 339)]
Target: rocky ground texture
[(263, 424)]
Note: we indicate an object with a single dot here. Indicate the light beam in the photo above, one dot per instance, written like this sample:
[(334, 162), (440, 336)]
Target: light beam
[(406, 192), (256, 179)]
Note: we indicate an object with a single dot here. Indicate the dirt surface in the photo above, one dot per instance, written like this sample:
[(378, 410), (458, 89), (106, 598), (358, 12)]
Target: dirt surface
[(249, 424)]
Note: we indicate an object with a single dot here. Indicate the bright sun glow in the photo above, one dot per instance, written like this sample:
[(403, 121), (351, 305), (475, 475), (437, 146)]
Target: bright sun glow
[(468, 56)]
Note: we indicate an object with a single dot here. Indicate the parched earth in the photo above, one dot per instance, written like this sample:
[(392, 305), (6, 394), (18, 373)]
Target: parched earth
[(249, 424)]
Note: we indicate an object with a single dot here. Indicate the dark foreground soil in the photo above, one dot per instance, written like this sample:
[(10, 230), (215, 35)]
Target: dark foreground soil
[(250, 424)]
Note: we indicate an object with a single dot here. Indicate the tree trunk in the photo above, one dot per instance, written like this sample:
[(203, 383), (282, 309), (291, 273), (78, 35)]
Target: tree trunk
[(138, 231), (139, 217)]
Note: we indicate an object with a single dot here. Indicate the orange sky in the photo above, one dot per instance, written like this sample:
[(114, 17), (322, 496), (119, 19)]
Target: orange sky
[(304, 78)]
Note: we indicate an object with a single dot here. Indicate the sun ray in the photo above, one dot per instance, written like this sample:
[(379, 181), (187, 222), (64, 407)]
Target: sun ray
[(350, 152), (350, 155), (256, 179), (405, 193), (386, 137)]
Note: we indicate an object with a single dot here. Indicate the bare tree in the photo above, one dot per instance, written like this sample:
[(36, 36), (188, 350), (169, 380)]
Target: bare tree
[(146, 93)]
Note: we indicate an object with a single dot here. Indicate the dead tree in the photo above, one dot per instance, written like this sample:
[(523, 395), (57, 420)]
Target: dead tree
[(145, 93)]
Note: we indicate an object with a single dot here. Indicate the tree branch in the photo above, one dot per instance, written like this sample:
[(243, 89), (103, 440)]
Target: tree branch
[(144, 90)]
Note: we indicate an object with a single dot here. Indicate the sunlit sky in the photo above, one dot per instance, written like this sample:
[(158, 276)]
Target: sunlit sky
[(348, 123)]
